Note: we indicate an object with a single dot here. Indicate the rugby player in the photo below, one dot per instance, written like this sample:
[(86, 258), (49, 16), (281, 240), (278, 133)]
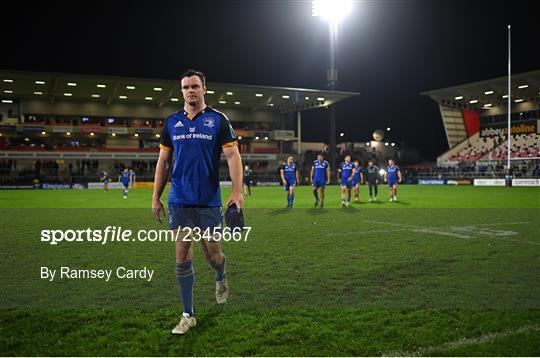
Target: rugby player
[(196, 135), (346, 172), (105, 180), (124, 178), (289, 177), (372, 180), (357, 179), (248, 180), (320, 176), (393, 177)]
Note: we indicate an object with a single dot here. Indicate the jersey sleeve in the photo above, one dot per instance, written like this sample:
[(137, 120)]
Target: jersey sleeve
[(166, 142), (227, 137)]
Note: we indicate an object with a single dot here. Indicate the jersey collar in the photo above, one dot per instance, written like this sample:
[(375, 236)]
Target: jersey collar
[(205, 109)]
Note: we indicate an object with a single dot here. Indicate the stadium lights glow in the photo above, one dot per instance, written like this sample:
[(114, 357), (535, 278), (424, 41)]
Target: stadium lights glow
[(210, 92), (285, 96), (8, 91), (265, 138), (382, 172), (101, 85), (136, 134), (270, 105), (91, 133), (457, 98), (95, 95), (386, 144), (223, 102), (320, 98), (488, 105), (71, 84), (7, 101), (229, 93), (68, 94), (523, 86), (306, 98), (488, 92), (258, 94), (174, 99), (236, 102), (240, 137), (40, 82), (68, 133), (38, 93), (113, 134), (519, 100), (505, 96), (367, 143), (157, 89), (388, 129), (7, 80), (43, 132), (130, 87), (473, 101), (341, 134), (122, 97), (257, 138), (27, 139), (158, 135), (331, 10), (148, 98), (393, 144)]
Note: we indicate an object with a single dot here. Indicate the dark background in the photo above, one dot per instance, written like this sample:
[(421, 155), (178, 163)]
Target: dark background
[(389, 51)]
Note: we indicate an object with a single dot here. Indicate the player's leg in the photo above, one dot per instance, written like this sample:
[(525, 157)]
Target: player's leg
[(287, 194), (356, 192), (291, 196), (125, 191), (375, 187), (322, 195), (343, 190), (249, 189), (348, 195), (395, 192), (370, 187), (315, 188)]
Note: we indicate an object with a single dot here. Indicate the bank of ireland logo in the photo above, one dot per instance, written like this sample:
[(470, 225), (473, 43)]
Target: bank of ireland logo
[(178, 124), (209, 122), (191, 129)]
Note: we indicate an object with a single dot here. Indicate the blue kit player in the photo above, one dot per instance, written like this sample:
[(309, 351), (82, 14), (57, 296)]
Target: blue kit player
[(105, 180), (192, 141), (131, 178), (125, 179), (358, 179), (289, 177), (346, 172), (320, 176), (392, 177)]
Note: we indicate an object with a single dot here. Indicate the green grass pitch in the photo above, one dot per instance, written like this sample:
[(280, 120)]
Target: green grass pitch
[(446, 270)]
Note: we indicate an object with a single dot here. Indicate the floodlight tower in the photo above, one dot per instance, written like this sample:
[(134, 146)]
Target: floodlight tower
[(333, 11)]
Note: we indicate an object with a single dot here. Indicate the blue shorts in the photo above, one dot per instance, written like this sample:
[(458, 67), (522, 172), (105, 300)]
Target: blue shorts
[(192, 217), (391, 183), (347, 183), (289, 185), (125, 185), (355, 182), (318, 183), (106, 181)]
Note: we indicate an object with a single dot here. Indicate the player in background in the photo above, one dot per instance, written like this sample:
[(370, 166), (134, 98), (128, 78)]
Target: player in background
[(393, 177), (320, 176), (248, 180), (131, 178), (289, 177), (358, 179), (372, 177), (105, 180), (346, 173), (124, 178)]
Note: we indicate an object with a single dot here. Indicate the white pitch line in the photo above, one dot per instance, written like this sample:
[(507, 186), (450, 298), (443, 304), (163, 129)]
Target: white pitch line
[(485, 338), (444, 233)]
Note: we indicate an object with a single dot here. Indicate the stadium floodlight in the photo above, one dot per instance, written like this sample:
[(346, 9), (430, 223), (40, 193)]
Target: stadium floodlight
[(523, 86), (239, 137), (68, 94), (505, 96), (210, 92), (158, 135), (113, 134), (382, 172), (488, 105), (40, 82), (222, 102), (519, 100), (393, 144), (488, 92), (8, 91), (68, 133), (95, 95), (229, 93), (388, 129), (100, 85), (72, 84), (236, 102), (148, 98), (7, 101), (136, 134), (457, 98), (257, 138), (473, 101), (158, 89), (320, 99), (306, 98), (43, 132), (331, 10), (265, 138), (38, 93), (285, 96), (130, 87), (7, 80), (386, 144), (92, 133), (173, 99), (258, 94), (270, 105), (122, 97), (367, 143), (341, 134)]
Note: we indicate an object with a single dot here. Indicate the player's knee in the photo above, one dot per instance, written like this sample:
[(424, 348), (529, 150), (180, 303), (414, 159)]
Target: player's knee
[(215, 258)]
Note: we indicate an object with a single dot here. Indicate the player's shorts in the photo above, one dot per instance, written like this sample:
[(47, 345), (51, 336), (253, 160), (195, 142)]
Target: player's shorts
[(106, 181), (347, 183), (318, 183), (125, 184), (193, 216), (248, 183), (355, 182), (289, 184), (391, 183)]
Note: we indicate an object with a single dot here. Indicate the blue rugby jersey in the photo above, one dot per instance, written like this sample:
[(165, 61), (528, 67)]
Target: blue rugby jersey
[(356, 176), (289, 172), (346, 170), (319, 174), (125, 178), (392, 173), (197, 144)]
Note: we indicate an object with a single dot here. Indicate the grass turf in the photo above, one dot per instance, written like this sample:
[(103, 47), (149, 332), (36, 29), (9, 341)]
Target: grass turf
[(447, 271)]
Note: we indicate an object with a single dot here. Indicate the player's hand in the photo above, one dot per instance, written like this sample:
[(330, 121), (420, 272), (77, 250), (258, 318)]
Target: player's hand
[(237, 198), (157, 210)]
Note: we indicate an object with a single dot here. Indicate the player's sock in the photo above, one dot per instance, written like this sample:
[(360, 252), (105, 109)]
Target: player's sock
[(292, 199), (316, 195), (219, 269), (186, 278)]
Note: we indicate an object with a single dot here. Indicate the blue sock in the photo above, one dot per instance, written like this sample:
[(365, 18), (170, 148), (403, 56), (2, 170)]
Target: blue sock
[(186, 278), (219, 269), (292, 200)]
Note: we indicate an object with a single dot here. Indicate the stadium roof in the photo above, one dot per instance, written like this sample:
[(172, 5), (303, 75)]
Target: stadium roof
[(108, 89), (490, 93)]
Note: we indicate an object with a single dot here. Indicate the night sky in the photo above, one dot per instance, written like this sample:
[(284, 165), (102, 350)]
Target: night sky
[(389, 51)]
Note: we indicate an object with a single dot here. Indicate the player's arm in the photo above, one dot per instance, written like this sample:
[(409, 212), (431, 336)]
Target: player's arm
[(385, 177), (399, 175), (338, 174), (352, 174), (234, 161), (160, 181), (282, 174), (328, 175), (311, 174), (361, 178), (297, 177)]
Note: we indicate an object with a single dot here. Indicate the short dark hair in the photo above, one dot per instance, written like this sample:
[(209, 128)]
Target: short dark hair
[(192, 72)]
